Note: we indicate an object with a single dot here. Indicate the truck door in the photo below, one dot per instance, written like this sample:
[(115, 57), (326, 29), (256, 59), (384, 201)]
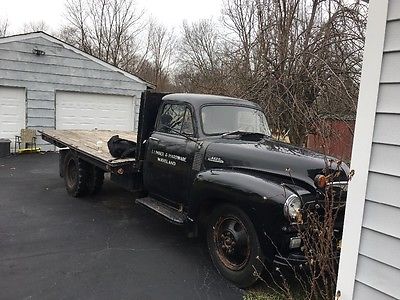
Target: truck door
[(170, 154)]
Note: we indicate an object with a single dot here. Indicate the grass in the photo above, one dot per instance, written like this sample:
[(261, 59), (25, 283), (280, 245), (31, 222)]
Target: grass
[(261, 291)]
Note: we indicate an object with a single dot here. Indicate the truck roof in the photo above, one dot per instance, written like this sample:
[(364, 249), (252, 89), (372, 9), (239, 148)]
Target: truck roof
[(200, 99)]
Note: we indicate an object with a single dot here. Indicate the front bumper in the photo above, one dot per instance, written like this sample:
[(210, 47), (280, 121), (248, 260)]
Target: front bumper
[(293, 260)]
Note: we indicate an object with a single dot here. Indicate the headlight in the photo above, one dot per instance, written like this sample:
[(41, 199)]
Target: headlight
[(292, 207), (320, 181)]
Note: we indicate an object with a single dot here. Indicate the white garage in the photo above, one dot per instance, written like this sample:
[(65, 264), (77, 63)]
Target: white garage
[(46, 83), (91, 111), (12, 111)]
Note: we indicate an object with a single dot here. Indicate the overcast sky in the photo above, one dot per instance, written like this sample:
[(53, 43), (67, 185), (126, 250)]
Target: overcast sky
[(169, 12)]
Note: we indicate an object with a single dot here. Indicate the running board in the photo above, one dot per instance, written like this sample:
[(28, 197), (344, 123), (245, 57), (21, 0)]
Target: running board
[(171, 214)]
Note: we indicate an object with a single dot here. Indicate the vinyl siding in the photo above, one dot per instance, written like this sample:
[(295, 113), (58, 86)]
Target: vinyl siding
[(60, 69), (388, 99), (393, 10), (379, 276), (378, 265), (363, 291)]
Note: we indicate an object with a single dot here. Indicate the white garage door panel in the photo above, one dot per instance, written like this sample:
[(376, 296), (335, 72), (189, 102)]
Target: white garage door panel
[(89, 111), (12, 111)]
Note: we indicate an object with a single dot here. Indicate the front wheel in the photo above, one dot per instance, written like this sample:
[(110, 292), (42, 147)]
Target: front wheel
[(234, 246)]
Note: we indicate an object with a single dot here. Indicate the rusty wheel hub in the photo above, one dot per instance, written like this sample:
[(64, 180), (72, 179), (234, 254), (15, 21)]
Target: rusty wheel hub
[(232, 242), (72, 173)]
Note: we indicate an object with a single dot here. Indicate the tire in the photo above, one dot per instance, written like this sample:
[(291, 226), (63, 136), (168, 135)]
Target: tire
[(76, 175), (234, 246), (61, 161), (95, 180)]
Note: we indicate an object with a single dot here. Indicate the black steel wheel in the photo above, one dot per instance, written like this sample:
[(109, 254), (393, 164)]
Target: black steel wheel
[(234, 246), (75, 175)]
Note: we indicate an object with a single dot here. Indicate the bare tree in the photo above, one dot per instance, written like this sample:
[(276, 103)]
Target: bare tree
[(161, 46), (106, 29), (3, 27), (35, 26), (200, 58), (299, 59)]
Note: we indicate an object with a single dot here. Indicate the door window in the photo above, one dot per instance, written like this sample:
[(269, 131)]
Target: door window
[(187, 125), (176, 118)]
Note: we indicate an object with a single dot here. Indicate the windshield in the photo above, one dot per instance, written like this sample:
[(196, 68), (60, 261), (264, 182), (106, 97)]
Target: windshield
[(219, 119)]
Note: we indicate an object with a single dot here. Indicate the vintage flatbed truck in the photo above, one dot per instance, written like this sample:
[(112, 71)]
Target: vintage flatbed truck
[(209, 160)]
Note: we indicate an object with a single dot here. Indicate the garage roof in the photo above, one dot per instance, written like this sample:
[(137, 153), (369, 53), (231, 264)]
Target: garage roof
[(20, 37)]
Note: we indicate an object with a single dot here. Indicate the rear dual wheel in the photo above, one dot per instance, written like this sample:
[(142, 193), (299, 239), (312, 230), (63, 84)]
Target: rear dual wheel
[(81, 178), (234, 246), (95, 180)]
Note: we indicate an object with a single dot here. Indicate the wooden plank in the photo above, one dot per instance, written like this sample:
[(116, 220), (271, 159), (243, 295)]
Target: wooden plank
[(41, 128), (40, 122), (378, 187), (385, 159), (379, 276), (382, 218), (64, 79), (388, 100), (42, 85), (40, 95), (369, 246), (383, 131), (41, 112), (364, 292), (22, 46), (36, 67), (41, 41), (16, 56), (92, 142), (40, 104)]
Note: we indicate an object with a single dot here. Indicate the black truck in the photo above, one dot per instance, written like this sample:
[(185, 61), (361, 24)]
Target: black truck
[(205, 161)]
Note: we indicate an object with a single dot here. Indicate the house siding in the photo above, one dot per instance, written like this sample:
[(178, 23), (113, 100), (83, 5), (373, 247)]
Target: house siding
[(60, 69), (363, 291), (378, 264)]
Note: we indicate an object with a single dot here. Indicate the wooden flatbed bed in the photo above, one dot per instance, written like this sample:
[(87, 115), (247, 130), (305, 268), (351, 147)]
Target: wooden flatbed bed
[(92, 145)]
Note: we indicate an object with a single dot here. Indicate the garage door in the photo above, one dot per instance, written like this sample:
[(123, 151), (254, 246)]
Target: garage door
[(89, 111), (12, 112)]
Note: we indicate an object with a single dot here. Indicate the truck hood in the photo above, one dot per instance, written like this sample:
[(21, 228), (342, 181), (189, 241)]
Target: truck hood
[(271, 157)]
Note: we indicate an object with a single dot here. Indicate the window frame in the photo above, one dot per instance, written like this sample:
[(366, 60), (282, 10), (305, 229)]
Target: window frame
[(225, 104), (186, 106)]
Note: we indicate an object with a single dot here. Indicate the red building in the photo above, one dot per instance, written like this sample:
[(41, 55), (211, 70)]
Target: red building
[(333, 137)]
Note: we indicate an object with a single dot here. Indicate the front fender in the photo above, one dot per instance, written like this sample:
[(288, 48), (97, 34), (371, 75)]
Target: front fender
[(261, 199), (248, 191)]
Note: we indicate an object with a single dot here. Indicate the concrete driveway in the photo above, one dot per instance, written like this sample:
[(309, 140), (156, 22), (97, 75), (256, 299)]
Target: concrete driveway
[(53, 246)]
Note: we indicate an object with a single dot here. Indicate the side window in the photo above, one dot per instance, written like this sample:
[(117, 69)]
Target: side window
[(187, 126), (171, 118)]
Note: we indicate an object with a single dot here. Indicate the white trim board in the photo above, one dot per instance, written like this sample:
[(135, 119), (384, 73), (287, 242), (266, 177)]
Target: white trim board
[(21, 37), (360, 160)]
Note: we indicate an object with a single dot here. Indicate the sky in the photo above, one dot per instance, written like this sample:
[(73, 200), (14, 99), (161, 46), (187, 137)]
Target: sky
[(168, 12)]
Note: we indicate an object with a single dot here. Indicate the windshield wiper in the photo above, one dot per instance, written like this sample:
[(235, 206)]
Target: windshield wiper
[(234, 132), (241, 132)]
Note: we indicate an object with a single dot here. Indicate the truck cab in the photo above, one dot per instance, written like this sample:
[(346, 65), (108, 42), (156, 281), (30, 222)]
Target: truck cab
[(186, 124)]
